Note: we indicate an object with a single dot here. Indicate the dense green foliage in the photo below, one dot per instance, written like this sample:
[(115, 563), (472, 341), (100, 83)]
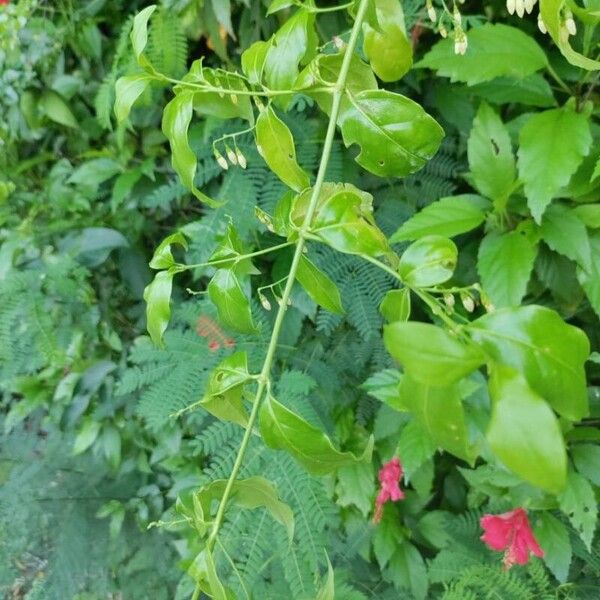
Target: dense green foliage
[(200, 382)]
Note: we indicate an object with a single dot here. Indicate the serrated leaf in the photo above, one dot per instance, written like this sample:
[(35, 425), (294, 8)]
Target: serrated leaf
[(127, 90), (539, 456), (318, 286), (548, 352), (397, 137), (447, 217), (578, 502), (276, 146), (429, 261), (356, 487), (282, 429), (504, 263), (157, 296), (545, 166), (553, 538), (407, 570), (415, 447), (491, 158), (429, 353), (590, 280), (494, 51), (387, 47), (225, 291), (587, 461)]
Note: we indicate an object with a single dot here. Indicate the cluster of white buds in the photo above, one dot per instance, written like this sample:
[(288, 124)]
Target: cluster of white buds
[(520, 7), (460, 41), (235, 157)]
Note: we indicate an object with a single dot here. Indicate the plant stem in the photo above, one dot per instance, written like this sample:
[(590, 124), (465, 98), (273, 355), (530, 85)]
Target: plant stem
[(236, 258), (558, 79), (303, 233)]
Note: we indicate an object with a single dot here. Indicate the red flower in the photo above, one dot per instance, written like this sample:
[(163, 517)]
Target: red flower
[(389, 477), (512, 533), (4, 2)]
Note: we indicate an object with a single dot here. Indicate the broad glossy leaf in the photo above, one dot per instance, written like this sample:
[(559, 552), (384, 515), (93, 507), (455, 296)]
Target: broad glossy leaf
[(545, 165), (387, 47), (428, 261), (504, 263), (232, 304), (578, 502), (127, 90), (524, 433), (396, 136), (590, 280), (566, 234), (551, 12), (553, 537), (139, 36), (253, 61), (253, 492), (276, 146), (441, 413), (283, 429), (429, 353), (176, 120), (447, 217), (157, 296), (395, 305), (491, 158), (494, 51), (548, 352), (163, 257), (318, 286)]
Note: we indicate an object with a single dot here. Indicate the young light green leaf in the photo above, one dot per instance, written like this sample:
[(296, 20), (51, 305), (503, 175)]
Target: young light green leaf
[(253, 61), (491, 158), (397, 137), (566, 234), (549, 353), (56, 109), (232, 304), (127, 90), (318, 286), (494, 51), (430, 354), (176, 120), (387, 47), (283, 429), (157, 296), (395, 305), (441, 413), (277, 5), (544, 165), (553, 537), (139, 36), (163, 258), (539, 456), (86, 436), (578, 502), (428, 261), (276, 145), (588, 214), (504, 263), (447, 217)]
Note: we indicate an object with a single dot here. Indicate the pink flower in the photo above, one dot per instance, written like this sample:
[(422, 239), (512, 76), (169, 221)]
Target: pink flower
[(389, 477), (4, 2), (512, 533)]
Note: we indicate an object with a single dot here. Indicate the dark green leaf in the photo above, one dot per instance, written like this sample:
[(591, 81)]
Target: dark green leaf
[(578, 502)]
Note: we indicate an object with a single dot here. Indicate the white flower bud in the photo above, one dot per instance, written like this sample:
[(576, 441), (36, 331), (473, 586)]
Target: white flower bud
[(221, 160), (338, 42), (529, 4), (457, 16), (520, 8), (265, 302), (260, 150), (510, 6), (431, 12), (460, 42), (541, 25), (449, 300), (570, 24), (468, 303), (443, 31), (231, 155), (241, 158), (234, 98)]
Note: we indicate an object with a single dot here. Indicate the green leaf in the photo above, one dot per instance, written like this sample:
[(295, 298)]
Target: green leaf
[(228, 252), (222, 10), (318, 286), (504, 263), (277, 5), (356, 487), (157, 296), (397, 137), (590, 281), (127, 90), (327, 591), (415, 447), (56, 109), (176, 120), (282, 429), (537, 455), (587, 461), (87, 435), (395, 305), (253, 61), (163, 258), (534, 90), (429, 261), (548, 352), (139, 36), (429, 354), (578, 502), (491, 158), (441, 413), (251, 493), (204, 573), (494, 51), (588, 214), (447, 217), (566, 234), (551, 12), (544, 165), (553, 538), (407, 570), (387, 47), (232, 304), (276, 146)]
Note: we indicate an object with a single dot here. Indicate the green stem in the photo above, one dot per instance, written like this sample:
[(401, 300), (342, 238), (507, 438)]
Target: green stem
[(558, 79), (302, 236)]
